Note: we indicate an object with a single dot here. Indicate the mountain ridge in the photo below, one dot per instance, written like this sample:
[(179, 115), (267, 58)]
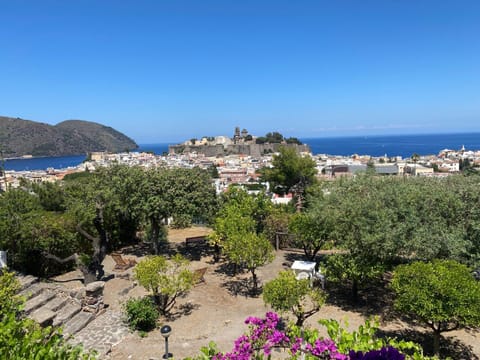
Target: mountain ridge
[(20, 137)]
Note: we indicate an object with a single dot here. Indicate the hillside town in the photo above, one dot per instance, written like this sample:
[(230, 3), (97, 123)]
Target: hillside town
[(237, 160)]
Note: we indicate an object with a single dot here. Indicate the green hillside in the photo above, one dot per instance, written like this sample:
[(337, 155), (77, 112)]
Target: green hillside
[(20, 137)]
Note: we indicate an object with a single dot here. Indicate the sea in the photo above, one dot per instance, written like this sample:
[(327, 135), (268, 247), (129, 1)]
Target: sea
[(375, 145)]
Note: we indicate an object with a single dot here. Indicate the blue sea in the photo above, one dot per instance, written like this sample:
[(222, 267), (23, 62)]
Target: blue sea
[(391, 145)]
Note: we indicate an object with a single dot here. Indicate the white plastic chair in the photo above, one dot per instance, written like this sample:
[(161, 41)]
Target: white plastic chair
[(321, 277), (302, 276)]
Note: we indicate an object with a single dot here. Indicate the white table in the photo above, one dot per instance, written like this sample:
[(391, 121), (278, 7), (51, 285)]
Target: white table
[(307, 267)]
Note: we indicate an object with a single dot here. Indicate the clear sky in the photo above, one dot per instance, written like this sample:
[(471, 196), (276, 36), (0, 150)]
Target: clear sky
[(164, 71)]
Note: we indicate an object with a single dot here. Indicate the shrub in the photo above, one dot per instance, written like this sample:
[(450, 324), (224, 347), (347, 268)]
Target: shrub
[(142, 314)]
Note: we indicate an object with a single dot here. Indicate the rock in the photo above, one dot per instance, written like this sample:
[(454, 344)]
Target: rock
[(95, 287), (78, 293)]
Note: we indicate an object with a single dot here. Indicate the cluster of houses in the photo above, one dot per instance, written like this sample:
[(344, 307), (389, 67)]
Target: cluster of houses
[(244, 169)]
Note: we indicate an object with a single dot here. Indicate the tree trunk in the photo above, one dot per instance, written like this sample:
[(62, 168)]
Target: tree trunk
[(94, 270), (154, 234), (300, 317), (99, 244), (216, 252), (355, 291), (436, 342), (254, 278), (88, 276)]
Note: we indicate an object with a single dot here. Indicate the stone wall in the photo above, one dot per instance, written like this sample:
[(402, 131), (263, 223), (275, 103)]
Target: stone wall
[(255, 150)]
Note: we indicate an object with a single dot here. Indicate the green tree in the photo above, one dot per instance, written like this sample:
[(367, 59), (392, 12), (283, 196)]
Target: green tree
[(293, 140), (165, 279), (190, 194), (45, 232), (238, 230), (361, 225), (312, 230), (286, 293), (184, 194), (16, 205), (290, 173), (442, 294), (276, 223), (250, 251), (241, 212), (50, 195)]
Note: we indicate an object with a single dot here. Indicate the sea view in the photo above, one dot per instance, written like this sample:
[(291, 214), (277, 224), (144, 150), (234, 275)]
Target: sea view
[(391, 145)]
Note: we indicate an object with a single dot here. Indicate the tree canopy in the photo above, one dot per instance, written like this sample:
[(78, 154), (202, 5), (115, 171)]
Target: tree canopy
[(238, 230), (290, 172), (442, 293), (165, 279), (287, 294)]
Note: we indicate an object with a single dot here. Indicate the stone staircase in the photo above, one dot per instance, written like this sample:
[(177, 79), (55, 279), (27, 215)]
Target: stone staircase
[(51, 304)]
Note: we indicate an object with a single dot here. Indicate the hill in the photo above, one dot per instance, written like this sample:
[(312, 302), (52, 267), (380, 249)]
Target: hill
[(20, 137)]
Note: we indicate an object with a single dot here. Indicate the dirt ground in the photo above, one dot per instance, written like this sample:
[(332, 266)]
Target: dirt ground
[(216, 310)]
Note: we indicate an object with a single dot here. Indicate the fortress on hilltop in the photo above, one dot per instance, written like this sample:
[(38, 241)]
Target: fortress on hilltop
[(241, 143)]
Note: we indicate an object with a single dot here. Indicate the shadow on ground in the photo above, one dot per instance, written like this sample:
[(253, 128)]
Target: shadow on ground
[(182, 310), (375, 299), (229, 269), (243, 287), (449, 347)]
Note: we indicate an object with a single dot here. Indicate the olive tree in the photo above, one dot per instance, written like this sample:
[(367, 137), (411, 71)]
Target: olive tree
[(442, 294), (183, 194), (312, 230)]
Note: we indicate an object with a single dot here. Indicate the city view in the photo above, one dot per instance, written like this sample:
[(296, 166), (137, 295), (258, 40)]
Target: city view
[(225, 180)]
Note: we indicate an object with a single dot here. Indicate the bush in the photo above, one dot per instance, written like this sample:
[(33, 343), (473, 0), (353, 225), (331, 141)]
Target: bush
[(142, 314)]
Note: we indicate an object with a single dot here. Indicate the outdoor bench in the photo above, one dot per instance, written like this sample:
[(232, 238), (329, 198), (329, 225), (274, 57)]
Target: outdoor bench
[(195, 240)]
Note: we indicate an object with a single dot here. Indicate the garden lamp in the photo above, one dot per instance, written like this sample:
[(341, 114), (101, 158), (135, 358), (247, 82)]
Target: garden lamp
[(166, 330)]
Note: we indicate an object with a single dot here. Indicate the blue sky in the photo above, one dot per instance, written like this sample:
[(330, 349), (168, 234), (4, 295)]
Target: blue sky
[(171, 70)]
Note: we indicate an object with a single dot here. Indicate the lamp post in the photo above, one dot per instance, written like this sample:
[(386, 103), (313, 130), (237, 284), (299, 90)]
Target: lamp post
[(166, 331)]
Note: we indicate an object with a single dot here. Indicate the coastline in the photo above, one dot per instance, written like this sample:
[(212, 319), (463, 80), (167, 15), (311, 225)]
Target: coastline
[(31, 157), (400, 146)]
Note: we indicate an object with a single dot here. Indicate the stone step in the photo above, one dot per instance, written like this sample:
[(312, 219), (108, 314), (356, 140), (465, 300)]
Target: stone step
[(56, 303), (43, 316), (66, 313), (105, 331), (39, 300), (77, 323), (26, 280), (31, 291)]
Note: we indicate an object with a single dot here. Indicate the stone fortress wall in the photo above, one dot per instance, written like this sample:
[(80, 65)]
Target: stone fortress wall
[(236, 146)]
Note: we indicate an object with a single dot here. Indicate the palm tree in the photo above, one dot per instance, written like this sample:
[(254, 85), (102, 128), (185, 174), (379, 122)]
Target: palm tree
[(415, 157)]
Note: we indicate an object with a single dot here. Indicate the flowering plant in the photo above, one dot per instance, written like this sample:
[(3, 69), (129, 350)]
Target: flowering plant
[(266, 334), (269, 333)]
